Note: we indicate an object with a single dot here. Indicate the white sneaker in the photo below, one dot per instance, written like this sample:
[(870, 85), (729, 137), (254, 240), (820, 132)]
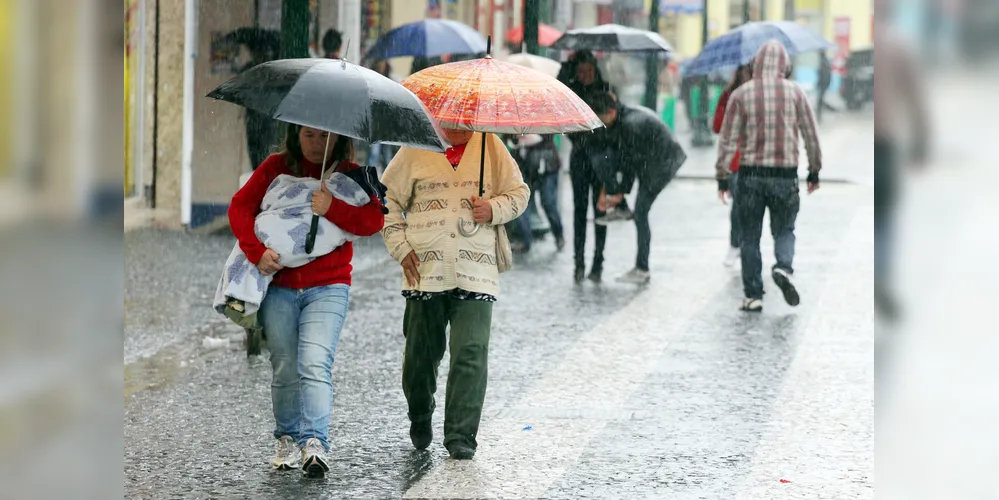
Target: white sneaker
[(314, 459), (752, 305), (635, 276), (287, 454), (732, 257)]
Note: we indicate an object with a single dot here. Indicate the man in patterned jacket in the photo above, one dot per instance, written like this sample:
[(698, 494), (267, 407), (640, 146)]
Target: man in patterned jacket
[(764, 119), (450, 277)]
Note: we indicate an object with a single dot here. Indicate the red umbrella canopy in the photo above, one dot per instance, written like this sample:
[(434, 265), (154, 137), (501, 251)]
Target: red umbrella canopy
[(546, 35), (486, 95)]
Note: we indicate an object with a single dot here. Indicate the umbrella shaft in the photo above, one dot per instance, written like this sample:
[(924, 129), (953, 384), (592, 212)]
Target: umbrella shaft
[(322, 173), (482, 165)]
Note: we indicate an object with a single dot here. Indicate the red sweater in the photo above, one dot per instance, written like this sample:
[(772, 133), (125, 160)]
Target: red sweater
[(332, 268), (720, 120)]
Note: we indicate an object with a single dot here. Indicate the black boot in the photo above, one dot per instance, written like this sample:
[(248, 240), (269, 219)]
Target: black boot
[(422, 434)]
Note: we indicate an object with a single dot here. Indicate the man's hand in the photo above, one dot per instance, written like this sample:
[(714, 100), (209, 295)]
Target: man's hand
[(321, 200), (411, 268), (602, 204), (482, 210), (269, 263), (812, 187), (724, 196), (614, 200)]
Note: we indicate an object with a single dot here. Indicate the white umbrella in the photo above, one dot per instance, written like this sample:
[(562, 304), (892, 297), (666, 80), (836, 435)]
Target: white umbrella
[(537, 63)]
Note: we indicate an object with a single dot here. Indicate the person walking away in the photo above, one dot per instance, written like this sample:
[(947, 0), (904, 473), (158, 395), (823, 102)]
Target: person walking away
[(742, 75), (898, 98), (825, 80), (581, 74), (642, 148), (539, 165), (305, 307), (765, 116), (449, 279)]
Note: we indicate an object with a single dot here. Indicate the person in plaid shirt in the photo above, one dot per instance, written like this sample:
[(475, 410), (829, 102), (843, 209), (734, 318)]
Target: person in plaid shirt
[(764, 119)]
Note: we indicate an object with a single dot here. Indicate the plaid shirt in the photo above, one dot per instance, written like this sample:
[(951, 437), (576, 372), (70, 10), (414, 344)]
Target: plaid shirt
[(765, 116)]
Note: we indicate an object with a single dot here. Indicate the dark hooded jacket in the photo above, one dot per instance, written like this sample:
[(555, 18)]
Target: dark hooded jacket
[(638, 145)]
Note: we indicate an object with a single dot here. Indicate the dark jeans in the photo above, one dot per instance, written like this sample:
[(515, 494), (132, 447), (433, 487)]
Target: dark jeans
[(885, 180), (643, 205), (547, 189), (425, 326), (761, 189), (585, 186), (733, 234)]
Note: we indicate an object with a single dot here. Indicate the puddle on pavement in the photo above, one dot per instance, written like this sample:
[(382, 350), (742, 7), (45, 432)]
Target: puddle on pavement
[(159, 370)]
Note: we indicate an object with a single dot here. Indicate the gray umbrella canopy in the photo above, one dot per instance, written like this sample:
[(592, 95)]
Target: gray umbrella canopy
[(338, 97), (612, 38)]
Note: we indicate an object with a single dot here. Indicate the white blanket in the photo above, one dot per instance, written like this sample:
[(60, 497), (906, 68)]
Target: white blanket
[(282, 226)]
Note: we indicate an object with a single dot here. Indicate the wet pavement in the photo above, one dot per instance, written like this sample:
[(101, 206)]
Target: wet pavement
[(595, 391)]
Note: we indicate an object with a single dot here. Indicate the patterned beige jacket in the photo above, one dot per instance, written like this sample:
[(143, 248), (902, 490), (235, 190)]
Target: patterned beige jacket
[(426, 197)]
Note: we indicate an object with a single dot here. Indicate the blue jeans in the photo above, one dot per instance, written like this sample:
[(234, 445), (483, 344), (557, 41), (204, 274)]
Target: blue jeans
[(302, 329), (547, 189), (758, 193)]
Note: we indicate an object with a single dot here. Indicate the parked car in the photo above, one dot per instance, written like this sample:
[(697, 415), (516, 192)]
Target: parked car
[(858, 83)]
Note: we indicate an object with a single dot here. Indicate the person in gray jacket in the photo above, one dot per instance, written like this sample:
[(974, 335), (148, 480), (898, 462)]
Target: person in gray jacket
[(636, 145)]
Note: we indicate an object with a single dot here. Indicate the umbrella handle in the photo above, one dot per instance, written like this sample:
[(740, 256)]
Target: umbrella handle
[(310, 239), (467, 232)]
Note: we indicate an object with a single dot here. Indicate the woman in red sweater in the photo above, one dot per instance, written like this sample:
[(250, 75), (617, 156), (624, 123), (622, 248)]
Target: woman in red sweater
[(305, 307), (742, 75)]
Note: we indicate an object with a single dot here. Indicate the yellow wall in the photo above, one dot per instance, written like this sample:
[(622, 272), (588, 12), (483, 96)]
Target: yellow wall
[(859, 12), (6, 87)]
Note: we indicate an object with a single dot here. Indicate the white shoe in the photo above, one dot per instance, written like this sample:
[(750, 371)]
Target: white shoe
[(732, 257), (314, 459), (635, 276), (287, 454), (752, 305)]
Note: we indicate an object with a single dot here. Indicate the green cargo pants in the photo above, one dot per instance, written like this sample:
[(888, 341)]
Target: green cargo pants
[(425, 325)]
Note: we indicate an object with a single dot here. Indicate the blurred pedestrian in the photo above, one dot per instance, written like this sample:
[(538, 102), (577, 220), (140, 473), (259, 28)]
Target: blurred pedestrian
[(305, 307), (765, 117), (379, 155), (449, 279), (637, 146), (825, 80), (332, 41), (743, 74), (262, 132), (581, 74), (898, 98), (539, 165)]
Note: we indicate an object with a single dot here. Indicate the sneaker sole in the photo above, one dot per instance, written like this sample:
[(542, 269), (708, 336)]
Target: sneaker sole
[(787, 288), (285, 466), (315, 468)]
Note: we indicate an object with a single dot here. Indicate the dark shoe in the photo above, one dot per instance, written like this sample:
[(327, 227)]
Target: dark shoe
[(596, 276), (559, 243), (519, 247), (461, 451), (422, 434), (783, 280), (579, 275)]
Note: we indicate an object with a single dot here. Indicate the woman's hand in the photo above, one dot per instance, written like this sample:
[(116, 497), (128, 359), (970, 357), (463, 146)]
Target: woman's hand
[(321, 200), (269, 263), (482, 210), (411, 269)]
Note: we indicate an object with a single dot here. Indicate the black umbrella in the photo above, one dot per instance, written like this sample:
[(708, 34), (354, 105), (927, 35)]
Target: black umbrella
[(338, 97), (612, 38)]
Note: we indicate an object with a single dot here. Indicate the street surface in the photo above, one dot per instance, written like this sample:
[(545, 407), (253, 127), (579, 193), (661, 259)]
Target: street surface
[(595, 391)]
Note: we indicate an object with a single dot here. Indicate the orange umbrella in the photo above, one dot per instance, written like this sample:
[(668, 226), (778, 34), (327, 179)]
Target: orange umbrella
[(486, 95)]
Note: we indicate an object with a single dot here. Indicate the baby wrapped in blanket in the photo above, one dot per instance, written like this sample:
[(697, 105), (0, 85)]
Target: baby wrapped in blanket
[(283, 225)]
